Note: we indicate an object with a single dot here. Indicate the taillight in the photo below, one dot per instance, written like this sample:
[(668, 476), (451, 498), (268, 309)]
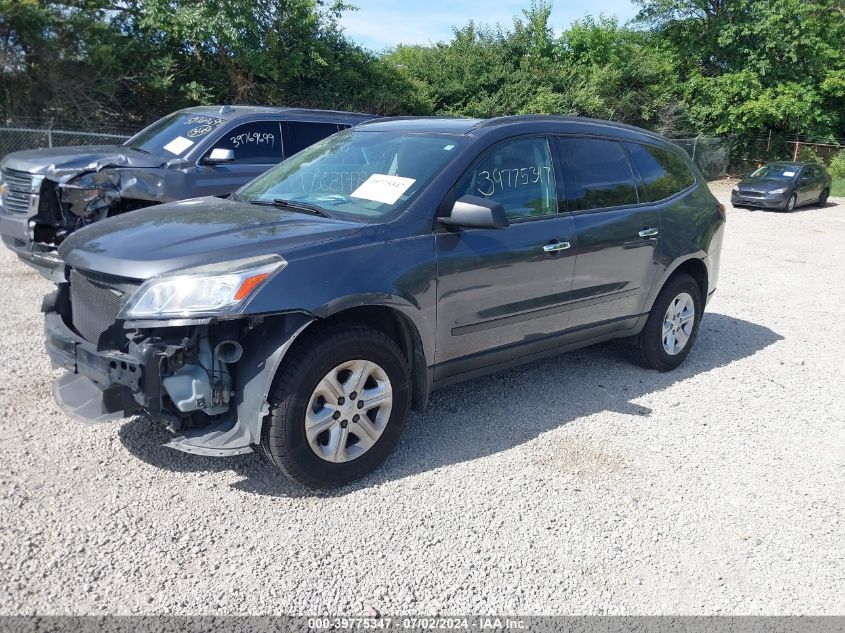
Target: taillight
[(721, 209)]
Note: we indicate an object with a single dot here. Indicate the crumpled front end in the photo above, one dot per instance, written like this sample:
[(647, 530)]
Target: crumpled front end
[(40, 207), (191, 374)]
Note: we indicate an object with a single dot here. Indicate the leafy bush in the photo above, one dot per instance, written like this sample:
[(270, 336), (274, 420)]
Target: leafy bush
[(809, 155), (837, 166)]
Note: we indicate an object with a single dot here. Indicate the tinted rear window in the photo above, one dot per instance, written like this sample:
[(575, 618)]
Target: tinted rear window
[(597, 174), (302, 134), (664, 173)]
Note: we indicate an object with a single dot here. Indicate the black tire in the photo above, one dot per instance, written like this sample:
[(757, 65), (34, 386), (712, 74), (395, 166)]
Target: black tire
[(648, 349), (823, 196), (283, 439), (790, 203)]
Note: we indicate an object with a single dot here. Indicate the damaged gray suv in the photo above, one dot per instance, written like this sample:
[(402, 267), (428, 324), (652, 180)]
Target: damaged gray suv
[(302, 317), (46, 194)]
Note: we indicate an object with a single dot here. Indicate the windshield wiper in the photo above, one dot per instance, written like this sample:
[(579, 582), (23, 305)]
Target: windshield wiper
[(302, 207)]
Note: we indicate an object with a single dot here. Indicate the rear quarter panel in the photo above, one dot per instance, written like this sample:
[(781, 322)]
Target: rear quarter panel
[(692, 228)]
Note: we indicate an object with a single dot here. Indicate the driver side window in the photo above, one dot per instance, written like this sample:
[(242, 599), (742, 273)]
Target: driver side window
[(258, 142), (518, 174)]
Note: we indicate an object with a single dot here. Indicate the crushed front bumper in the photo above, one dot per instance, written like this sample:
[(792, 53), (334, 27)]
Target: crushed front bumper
[(16, 234), (102, 386)]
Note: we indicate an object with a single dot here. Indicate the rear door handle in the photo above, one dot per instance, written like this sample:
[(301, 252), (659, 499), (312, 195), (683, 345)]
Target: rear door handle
[(649, 232), (556, 246)]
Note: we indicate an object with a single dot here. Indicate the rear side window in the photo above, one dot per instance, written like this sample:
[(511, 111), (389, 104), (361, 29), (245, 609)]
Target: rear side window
[(301, 134), (664, 173), (597, 174), (259, 142), (518, 174)]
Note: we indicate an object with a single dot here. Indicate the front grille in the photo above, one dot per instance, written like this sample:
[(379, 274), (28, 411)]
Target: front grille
[(94, 303), (752, 194), (18, 191)]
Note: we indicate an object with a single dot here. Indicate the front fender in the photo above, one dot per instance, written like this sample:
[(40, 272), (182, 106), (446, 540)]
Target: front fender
[(398, 274), (254, 373)]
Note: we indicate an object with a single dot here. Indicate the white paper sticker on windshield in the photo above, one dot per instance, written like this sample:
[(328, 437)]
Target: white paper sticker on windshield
[(383, 188), (789, 173), (178, 145)]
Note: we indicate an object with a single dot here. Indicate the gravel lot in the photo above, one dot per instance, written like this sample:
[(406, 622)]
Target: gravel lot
[(581, 484)]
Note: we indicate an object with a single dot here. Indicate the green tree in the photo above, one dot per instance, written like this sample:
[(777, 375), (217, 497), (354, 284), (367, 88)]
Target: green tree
[(595, 68), (81, 61), (749, 65)]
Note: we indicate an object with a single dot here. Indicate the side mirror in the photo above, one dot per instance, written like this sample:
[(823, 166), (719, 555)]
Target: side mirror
[(220, 155), (477, 213)]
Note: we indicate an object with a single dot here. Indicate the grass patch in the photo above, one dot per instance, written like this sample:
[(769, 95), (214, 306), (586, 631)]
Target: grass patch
[(838, 188)]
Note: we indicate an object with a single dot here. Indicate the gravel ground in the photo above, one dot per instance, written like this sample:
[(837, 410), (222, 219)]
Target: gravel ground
[(580, 484)]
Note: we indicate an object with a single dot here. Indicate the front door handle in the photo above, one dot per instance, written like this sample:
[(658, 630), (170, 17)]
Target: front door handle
[(556, 246), (649, 232)]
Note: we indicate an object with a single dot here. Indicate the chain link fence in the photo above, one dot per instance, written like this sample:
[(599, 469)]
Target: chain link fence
[(22, 135), (711, 154), (750, 152), (715, 156)]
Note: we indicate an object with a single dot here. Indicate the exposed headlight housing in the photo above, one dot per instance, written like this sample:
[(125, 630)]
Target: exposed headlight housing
[(736, 188), (781, 190), (206, 290)]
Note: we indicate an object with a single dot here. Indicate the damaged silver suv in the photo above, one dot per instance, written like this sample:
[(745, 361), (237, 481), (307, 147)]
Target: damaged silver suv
[(46, 194)]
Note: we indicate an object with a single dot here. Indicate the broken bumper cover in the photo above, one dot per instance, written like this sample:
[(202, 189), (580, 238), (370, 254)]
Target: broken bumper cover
[(101, 386), (15, 234)]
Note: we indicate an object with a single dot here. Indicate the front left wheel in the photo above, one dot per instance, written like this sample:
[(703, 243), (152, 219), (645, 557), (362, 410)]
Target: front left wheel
[(338, 406), (790, 203)]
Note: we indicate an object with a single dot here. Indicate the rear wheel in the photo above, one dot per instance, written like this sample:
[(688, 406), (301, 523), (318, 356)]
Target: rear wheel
[(823, 197), (790, 202), (338, 406), (672, 325)]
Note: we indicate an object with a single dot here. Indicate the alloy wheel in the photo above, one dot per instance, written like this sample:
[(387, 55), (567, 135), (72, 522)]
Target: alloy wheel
[(678, 323), (790, 203), (348, 411)]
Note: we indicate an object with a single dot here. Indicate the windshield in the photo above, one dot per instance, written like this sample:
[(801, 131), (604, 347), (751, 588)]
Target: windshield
[(777, 172), (356, 175), (175, 134)]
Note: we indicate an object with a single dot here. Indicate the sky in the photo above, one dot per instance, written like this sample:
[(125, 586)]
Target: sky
[(378, 24)]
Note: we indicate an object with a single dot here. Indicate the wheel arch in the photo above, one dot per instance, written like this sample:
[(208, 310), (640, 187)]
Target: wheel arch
[(695, 266), (388, 319), (697, 269)]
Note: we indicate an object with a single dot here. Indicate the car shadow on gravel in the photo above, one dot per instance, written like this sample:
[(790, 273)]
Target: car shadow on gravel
[(491, 414)]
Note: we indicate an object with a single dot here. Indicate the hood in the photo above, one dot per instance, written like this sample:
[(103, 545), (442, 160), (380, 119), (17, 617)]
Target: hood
[(62, 163), (159, 239), (763, 184)]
